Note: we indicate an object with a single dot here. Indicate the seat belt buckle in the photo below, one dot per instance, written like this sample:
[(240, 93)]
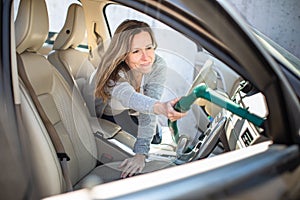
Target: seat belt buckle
[(63, 156)]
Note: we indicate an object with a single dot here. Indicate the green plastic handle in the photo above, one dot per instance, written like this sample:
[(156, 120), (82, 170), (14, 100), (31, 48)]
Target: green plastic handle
[(202, 91)]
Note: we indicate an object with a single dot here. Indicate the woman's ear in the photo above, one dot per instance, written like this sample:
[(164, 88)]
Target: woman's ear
[(126, 60)]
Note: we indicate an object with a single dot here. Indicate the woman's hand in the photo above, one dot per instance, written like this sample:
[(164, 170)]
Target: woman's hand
[(166, 109), (133, 165)]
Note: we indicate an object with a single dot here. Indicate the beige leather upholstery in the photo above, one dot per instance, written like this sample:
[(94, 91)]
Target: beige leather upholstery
[(65, 57), (65, 109), (45, 165), (29, 37)]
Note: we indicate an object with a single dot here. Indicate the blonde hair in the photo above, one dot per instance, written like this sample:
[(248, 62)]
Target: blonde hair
[(113, 60)]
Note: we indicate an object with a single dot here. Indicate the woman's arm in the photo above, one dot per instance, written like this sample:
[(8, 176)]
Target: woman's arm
[(124, 93)]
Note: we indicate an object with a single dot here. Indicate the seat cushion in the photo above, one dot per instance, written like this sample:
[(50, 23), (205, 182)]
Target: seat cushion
[(111, 172)]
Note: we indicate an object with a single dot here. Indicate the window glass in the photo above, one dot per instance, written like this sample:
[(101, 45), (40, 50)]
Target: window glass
[(180, 59), (187, 67), (57, 13), (127, 13)]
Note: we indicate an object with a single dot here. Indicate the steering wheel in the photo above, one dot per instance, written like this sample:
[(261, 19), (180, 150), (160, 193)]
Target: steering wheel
[(204, 147)]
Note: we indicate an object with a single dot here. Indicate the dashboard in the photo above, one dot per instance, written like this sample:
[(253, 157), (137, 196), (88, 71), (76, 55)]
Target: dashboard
[(241, 133)]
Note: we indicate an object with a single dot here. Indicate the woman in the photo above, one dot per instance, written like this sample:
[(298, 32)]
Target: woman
[(131, 77)]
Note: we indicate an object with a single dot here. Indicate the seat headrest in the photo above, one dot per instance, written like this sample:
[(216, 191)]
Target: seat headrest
[(31, 25), (73, 31)]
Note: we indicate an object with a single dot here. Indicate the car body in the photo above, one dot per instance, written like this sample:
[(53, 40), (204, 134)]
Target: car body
[(230, 155)]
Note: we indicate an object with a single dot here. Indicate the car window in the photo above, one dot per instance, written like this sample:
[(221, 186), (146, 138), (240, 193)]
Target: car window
[(180, 59), (188, 66)]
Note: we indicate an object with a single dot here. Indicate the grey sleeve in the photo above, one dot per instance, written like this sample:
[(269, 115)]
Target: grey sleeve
[(129, 98), (146, 130)]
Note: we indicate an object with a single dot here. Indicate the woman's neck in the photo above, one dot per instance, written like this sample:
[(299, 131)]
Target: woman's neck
[(137, 80)]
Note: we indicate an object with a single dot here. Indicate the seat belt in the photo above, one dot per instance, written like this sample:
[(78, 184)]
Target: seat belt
[(59, 148)]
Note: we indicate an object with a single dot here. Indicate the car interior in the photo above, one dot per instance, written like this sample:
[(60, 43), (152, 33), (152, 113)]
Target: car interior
[(70, 145)]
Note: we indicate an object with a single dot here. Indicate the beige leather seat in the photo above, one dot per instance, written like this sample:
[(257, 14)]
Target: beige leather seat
[(73, 64), (66, 112)]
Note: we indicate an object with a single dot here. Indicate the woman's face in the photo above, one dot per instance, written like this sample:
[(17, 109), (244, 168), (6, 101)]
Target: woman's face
[(141, 55)]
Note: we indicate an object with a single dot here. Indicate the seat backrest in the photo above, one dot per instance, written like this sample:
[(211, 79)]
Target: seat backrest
[(65, 57), (63, 107), (73, 64)]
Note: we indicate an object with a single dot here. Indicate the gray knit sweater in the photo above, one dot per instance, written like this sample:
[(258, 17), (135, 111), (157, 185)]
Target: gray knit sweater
[(124, 96)]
